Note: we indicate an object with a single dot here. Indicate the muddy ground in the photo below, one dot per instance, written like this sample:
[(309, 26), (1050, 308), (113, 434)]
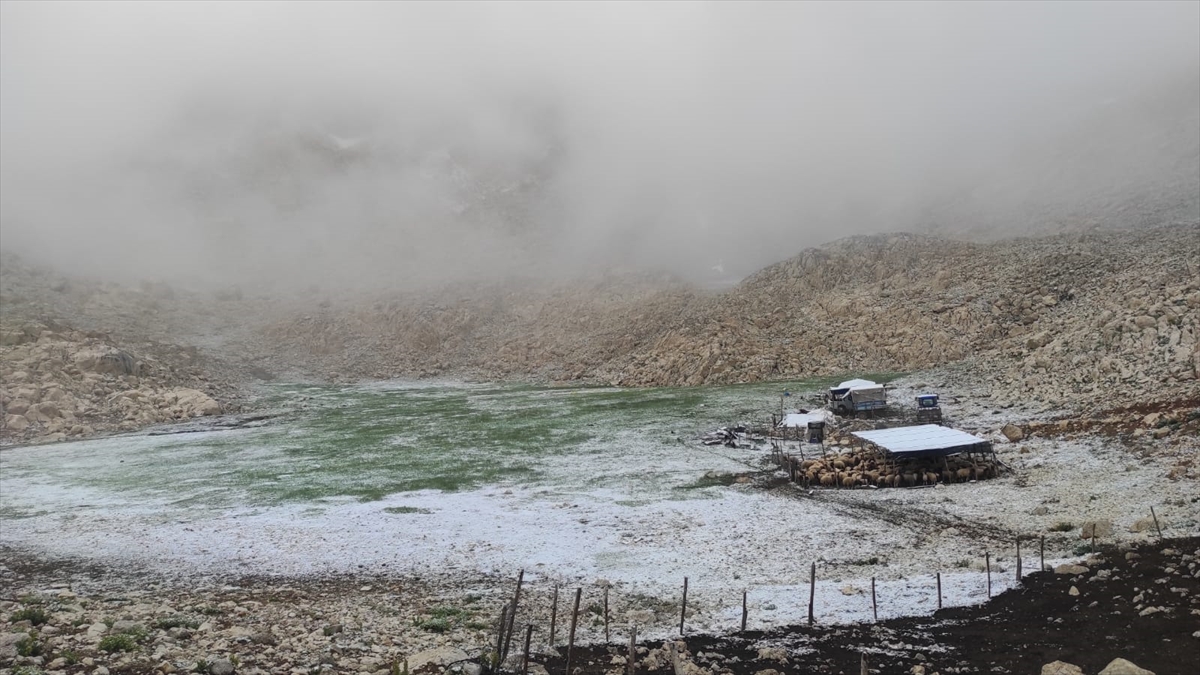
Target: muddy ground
[(1145, 609)]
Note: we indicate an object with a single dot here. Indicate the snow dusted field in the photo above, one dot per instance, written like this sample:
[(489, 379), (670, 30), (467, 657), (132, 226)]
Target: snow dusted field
[(596, 485)]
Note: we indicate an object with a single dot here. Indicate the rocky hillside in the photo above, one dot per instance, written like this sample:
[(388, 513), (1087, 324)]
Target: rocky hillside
[(1052, 318), (1075, 321), (60, 383), (79, 357), (522, 329)]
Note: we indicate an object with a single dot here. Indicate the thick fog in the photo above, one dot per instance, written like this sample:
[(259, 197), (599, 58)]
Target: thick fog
[(395, 143)]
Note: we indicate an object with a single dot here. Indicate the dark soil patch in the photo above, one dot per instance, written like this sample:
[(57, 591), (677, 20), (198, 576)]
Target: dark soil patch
[(1182, 415), (1017, 632)]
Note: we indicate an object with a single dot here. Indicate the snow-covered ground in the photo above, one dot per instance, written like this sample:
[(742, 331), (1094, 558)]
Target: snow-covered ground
[(587, 518)]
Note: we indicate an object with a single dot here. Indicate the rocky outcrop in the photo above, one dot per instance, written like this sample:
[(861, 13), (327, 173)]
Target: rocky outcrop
[(57, 383)]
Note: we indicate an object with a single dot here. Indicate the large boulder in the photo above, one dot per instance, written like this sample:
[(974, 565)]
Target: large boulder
[(49, 410), (17, 406), (1061, 668), (1123, 667), (1101, 528), (1147, 525), (194, 402), (438, 656), (106, 361), (1012, 432), (9, 641), (16, 422)]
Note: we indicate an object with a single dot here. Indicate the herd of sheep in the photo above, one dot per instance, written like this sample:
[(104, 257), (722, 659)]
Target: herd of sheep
[(852, 468)]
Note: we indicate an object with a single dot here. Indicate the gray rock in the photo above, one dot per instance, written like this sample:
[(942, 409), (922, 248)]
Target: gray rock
[(1012, 432), (124, 626), (1102, 528), (438, 656), (1123, 667), (1147, 525), (8, 643), (1061, 668), (221, 667)]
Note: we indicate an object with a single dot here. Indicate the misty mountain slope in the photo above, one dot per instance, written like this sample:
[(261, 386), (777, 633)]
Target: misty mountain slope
[(1081, 318), (1081, 322), (517, 329), (1078, 318), (1113, 160)]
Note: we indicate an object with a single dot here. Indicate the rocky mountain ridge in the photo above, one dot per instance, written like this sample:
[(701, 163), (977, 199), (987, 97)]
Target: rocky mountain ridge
[(1080, 321)]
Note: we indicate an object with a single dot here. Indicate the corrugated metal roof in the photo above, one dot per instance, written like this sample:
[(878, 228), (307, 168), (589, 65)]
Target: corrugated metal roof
[(802, 419), (919, 439)]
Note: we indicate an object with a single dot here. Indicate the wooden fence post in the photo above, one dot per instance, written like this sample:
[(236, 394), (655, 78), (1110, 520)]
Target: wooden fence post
[(528, 639), (745, 611), (874, 605), (987, 561), (683, 606), (512, 617), (1042, 553), (553, 614), (632, 660), (1156, 527), (812, 591), (939, 582), (606, 636), (500, 637), (1018, 560), (574, 619)]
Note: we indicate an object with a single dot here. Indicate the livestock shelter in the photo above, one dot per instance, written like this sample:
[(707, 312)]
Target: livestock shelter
[(807, 425), (926, 440)]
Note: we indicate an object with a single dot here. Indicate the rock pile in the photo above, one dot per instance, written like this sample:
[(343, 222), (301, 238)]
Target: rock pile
[(58, 383)]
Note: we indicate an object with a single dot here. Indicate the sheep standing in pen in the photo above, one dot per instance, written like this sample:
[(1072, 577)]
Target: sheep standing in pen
[(858, 469)]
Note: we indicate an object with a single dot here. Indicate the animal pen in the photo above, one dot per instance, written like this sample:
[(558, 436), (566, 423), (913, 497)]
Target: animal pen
[(897, 457), (926, 440)]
